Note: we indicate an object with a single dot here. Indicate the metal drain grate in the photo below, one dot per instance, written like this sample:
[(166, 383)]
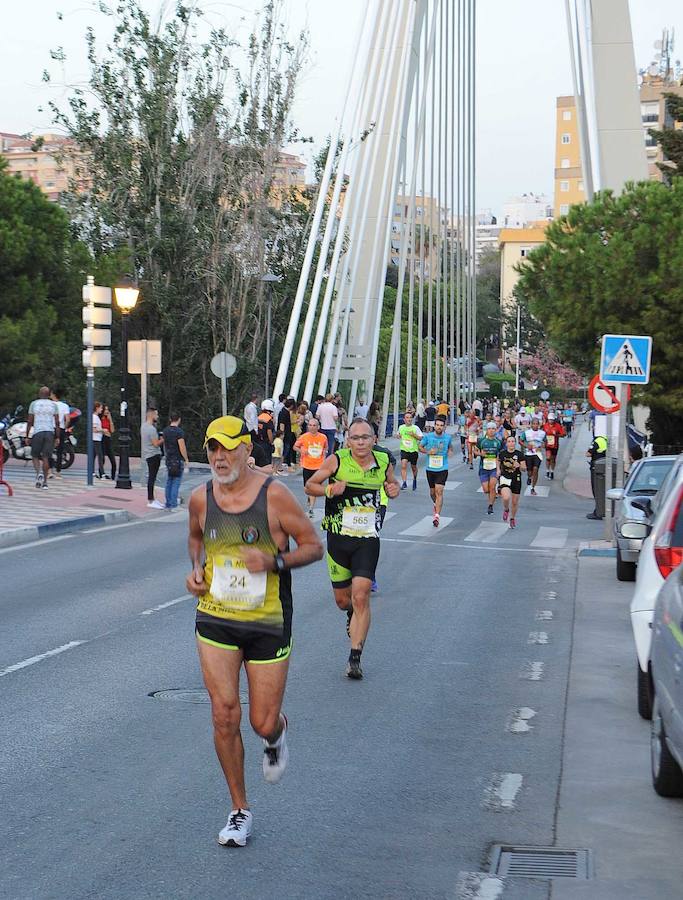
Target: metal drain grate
[(188, 695), (540, 862)]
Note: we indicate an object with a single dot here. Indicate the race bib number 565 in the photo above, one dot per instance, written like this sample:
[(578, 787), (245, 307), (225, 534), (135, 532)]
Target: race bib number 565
[(359, 521)]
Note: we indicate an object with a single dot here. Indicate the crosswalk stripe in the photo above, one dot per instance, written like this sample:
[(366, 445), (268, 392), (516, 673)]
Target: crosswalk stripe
[(452, 485), (550, 538), (488, 532), (542, 490), (426, 526)]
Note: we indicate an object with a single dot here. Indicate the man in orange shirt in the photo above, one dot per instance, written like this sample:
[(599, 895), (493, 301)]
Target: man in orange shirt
[(554, 431), (313, 447)]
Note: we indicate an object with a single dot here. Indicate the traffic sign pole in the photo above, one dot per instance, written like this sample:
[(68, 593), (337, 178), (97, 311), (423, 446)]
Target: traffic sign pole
[(224, 387)]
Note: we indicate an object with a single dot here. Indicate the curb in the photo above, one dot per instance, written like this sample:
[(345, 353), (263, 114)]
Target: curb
[(31, 533)]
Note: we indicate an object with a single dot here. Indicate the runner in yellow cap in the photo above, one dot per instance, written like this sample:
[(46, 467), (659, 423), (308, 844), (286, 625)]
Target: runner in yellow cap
[(240, 525)]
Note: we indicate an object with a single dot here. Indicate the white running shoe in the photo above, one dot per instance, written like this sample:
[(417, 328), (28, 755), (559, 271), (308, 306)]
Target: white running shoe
[(237, 830), (154, 504), (276, 756)]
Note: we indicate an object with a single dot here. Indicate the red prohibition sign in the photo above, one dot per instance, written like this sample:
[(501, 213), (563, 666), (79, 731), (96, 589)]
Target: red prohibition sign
[(602, 396)]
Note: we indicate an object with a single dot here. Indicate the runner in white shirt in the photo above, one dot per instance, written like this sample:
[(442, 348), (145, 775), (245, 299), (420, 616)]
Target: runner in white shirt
[(533, 442)]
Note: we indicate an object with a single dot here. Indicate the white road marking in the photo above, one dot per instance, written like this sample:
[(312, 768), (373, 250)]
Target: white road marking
[(499, 548), (502, 790), (111, 527), (452, 485), (32, 660), (518, 723), (532, 671), (389, 515), (425, 526), (488, 532), (552, 538), (153, 609), (542, 490), (544, 615), (478, 886), (40, 542), (538, 637), (551, 595)]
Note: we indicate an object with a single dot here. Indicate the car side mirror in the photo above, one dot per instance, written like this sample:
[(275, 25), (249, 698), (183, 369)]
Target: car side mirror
[(615, 493), (644, 504)]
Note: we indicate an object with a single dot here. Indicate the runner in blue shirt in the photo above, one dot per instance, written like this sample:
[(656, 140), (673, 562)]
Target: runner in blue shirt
[(438, 446)]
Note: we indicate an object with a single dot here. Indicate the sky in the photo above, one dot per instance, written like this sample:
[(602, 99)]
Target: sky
[(522, 66)]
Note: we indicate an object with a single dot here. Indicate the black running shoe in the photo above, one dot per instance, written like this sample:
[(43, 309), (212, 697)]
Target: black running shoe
[(490, 509), (349, 615), (353, 669)]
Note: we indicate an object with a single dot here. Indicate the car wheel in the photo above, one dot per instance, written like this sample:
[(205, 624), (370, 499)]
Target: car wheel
[(644, 693), (626, 571), (667, 778)]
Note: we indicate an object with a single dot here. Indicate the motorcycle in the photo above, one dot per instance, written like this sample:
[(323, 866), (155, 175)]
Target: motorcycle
[(13, 439)]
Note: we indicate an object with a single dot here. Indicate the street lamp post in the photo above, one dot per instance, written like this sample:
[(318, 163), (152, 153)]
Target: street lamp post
[(126, 297), (269, 279), (519, 329)]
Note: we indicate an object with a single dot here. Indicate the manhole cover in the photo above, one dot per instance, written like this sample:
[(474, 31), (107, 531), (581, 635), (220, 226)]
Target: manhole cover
[(540, 862), (187, 695)]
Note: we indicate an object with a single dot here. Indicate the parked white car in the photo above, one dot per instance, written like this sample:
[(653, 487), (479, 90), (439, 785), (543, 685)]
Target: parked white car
[(661, 553), (630, 523)]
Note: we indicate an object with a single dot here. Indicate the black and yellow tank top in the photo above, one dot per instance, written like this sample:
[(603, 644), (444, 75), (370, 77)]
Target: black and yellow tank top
[(356, 512), (261, 600)]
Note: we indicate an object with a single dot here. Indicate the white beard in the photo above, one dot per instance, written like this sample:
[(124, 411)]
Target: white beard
[(226, 479)]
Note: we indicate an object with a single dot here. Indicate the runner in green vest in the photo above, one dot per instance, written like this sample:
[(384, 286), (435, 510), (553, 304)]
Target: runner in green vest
[(352, 521), (410, 436)]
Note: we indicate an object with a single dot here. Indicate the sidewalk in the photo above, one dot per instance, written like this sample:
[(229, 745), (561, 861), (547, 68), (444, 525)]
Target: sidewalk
[(607, 803), (68, 504), (577, 479)]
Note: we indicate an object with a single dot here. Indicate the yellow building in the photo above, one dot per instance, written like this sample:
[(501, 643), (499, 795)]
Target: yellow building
[(654, 115), (515, 245), (430, 219), (49, 160), (569, 187)]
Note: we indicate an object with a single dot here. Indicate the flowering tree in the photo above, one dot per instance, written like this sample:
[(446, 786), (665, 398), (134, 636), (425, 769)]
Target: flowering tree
[(546, 368)]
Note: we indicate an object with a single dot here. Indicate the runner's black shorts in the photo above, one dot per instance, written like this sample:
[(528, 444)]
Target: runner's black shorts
[(532, 461), (256, 646), (515, 486), (411, 457), (307, 473), (351, 557), (437, 477)]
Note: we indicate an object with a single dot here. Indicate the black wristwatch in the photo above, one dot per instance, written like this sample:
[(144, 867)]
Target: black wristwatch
[(280, 564)]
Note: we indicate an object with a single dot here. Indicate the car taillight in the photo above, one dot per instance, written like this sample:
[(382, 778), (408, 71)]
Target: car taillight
[(669, 557)]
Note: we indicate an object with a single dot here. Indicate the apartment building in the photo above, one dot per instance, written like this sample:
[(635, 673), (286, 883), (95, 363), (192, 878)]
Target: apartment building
[(48, 160), (569, 188)]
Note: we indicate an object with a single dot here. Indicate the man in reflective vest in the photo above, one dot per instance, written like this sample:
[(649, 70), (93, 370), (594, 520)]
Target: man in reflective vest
[(596, 452)]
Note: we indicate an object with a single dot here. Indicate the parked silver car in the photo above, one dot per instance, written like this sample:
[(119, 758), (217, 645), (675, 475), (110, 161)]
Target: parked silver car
[(631, 522), (666, 660), (659, 556)]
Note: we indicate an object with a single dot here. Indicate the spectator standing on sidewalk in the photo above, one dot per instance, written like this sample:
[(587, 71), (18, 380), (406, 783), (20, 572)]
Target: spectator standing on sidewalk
[(150, 447), (284, 430), (44, 420), (251, 415), (175, 455), (108, 429), (97, 435), (327, 414), (63, 413)]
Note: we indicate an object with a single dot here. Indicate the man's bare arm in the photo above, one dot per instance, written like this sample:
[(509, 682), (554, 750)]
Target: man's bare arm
[(315, 486), (194, 582)]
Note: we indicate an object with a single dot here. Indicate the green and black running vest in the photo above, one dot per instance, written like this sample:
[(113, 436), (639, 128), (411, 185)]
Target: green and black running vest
[(361, 499), (260, 601)]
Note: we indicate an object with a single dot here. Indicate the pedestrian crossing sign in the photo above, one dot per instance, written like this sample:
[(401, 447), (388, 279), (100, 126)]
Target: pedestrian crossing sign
[(625, 359)]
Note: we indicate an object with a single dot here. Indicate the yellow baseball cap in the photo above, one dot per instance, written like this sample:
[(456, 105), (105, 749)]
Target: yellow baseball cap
[(228, 431)]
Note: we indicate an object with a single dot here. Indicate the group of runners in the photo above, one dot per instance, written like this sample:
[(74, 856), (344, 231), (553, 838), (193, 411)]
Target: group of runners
[(241, 523)]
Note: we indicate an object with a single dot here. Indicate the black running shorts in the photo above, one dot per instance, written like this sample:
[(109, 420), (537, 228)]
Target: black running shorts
[(256, 646), (515, 485), (437, 477), (351, 557), (411, 457), (532, 461)]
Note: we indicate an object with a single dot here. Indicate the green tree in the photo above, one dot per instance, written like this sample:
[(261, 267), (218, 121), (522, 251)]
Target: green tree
[(41, 271), (670, 138), (181, 138), (616, 266), (488, 298)]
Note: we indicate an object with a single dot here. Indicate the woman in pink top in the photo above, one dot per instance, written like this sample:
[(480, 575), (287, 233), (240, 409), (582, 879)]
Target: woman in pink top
[(327, 414)]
